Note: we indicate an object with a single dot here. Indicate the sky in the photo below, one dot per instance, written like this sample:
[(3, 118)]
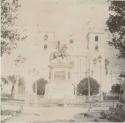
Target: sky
[(64, 18)]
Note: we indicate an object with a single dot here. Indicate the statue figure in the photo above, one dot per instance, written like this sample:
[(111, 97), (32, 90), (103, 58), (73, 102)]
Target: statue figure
[(60, 53)]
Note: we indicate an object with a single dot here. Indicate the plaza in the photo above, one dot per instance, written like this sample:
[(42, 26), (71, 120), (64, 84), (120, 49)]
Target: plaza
[(59, 64), (61, 113), (65, 69)]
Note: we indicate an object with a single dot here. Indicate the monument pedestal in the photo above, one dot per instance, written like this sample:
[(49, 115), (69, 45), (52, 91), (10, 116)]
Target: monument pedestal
[(61, 91), (60, 85)]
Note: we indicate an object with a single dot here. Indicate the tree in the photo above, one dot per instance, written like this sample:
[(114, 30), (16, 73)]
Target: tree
[(82, 88), (9, 31), (116, 26), (9, 79), (13, 80), (115, 88), (122, 75), (4, 81)]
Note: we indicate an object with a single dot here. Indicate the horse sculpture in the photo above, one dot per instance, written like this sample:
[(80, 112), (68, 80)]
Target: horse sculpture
[(60, 52)]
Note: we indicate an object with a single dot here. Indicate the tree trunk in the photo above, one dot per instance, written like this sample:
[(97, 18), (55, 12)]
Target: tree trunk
[(12, 90)]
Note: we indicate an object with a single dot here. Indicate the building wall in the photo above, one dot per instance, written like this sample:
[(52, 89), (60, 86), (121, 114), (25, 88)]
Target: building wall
[(82, 57)]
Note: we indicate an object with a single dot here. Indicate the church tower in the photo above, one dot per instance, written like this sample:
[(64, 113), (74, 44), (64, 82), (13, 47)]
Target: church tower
[(95, 52), (48, 39)]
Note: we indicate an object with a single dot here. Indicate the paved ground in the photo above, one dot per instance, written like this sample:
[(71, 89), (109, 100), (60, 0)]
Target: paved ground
[(54, 113), (35, 114)]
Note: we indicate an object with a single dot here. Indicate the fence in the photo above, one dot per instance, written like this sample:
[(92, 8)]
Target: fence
[(76, 100)]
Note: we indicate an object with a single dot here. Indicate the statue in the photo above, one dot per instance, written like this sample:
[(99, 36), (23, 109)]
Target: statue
[(60, 54)]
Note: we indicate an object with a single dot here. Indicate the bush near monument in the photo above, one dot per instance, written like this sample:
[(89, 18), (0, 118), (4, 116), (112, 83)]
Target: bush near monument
[(82, 88)]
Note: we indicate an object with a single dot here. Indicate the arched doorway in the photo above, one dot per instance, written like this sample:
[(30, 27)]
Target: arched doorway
[(82, 87), (41, 85)]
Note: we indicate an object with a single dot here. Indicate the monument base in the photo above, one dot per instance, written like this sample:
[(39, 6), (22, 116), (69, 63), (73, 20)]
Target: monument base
[(59, 91)]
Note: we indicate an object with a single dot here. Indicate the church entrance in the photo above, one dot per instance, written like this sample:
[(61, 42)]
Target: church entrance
[(39, 86)]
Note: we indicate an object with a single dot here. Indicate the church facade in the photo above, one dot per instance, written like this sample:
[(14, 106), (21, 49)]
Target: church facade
[(67, 63), (69, 66)]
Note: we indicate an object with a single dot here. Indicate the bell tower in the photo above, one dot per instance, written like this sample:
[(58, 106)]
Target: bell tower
[(95, 42), (96, 55)]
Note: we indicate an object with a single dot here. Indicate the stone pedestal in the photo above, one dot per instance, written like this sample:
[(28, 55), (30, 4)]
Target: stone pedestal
[(60, 85)]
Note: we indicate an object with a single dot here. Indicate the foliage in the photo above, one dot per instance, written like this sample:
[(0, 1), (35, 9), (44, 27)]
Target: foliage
[(4, 80), (13, 80), (116, 89), (122, 75), (8, 32), (116, 114), (116, 25), (9, 29), (82, 87)]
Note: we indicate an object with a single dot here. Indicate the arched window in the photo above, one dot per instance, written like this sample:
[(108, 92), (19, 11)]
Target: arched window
[(45, 37), (96, 38), (45, 46), (71, 41), (96, 48)]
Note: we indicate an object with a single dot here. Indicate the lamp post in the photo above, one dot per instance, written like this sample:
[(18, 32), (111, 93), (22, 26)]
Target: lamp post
[(99, 60), (112, 83), (35, 74), (89, 93), (100, 67), (88, 74)]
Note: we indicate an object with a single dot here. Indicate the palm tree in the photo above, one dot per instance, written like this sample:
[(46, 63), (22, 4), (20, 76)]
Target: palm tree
[(4, 81), (12, 79)]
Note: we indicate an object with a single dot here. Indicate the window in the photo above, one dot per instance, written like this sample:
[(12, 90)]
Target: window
[(71, 41), (96, 48), (45, 37), (45, 46), (96, 38)]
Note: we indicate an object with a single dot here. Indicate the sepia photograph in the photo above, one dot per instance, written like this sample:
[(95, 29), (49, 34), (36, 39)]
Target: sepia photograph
[(62, 61)]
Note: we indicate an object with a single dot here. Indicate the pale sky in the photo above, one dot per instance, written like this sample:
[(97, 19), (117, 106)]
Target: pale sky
[(64, 17)]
